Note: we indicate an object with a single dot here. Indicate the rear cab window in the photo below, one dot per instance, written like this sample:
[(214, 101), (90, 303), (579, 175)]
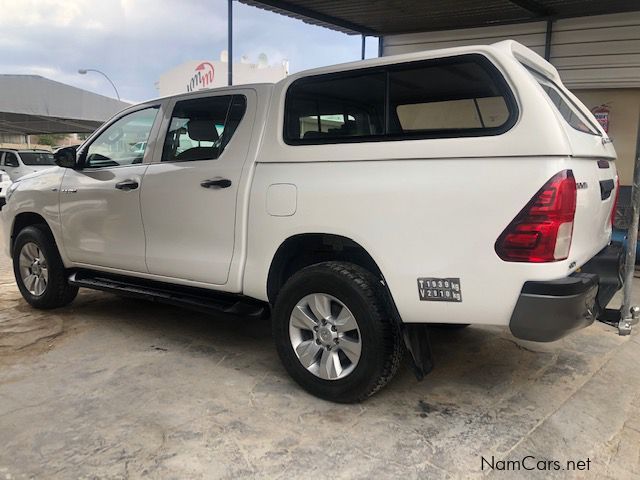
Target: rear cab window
[(440, 98)]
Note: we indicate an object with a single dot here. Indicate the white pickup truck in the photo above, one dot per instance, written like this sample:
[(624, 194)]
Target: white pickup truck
[(356, 203)]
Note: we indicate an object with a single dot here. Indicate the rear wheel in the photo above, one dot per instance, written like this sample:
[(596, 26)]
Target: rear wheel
[(334, 332), (39, 271)]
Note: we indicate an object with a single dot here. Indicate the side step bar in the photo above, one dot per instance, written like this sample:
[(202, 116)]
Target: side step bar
[(194, 298)]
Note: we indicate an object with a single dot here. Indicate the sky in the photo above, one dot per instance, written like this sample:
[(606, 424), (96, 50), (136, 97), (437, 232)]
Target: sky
[(134, 41)]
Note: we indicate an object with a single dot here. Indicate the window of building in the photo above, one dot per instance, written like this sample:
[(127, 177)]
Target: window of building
[(200, 128)]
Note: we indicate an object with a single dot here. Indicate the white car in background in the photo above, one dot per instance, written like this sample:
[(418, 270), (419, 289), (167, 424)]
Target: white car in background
[(5, 181), (18, 163), (139, 147)]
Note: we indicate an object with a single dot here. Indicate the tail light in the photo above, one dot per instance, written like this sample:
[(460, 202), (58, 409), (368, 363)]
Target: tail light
[(615, 201), (542, 231)]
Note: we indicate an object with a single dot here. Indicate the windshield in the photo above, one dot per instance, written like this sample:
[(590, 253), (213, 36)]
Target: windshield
[(37, 158)]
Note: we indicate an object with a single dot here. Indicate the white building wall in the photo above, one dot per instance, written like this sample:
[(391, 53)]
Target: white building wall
[(200, 74), (590, 52)]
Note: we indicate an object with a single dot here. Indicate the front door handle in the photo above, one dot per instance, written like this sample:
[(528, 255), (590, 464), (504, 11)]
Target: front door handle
[(216, 183), (127, 185)]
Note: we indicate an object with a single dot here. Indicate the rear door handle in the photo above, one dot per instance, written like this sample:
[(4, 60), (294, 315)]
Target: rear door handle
[(127, 185), (216, 183)]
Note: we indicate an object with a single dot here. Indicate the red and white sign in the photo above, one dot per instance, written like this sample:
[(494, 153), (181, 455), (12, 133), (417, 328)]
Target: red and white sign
[(204, 74), (202, 77)]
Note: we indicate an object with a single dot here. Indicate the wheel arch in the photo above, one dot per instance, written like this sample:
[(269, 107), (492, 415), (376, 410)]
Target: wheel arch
[(24, 220), (301, 250)]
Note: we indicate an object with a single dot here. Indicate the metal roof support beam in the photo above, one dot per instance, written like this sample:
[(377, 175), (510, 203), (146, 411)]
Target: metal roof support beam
[(380, 46), (547, 40), (364, 46), (70, 123), (230, 42), (9, 128), (533, 7), (356, 16), (312, 14), (629, 313), (6, 127)]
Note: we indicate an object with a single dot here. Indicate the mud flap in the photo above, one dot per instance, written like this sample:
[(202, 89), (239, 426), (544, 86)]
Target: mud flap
[(608, 265), (416, 339)]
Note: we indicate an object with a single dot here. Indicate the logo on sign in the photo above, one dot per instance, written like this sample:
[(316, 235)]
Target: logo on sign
[(202, 78)]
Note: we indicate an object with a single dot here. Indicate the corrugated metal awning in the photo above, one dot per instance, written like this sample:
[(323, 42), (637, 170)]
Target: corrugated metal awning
[(31, 104), (383, 17)]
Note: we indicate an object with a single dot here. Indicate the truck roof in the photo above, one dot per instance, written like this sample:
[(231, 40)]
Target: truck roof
[(506, 47), (217, 89), (509, 48)]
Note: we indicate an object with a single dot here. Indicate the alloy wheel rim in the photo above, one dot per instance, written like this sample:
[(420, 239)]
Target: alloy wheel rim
[(325, 336), (34, 270)]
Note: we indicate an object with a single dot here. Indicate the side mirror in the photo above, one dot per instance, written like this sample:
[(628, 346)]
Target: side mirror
[(65, 157)]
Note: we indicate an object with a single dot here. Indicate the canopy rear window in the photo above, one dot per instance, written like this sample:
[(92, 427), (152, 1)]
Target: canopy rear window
[(569, 111)]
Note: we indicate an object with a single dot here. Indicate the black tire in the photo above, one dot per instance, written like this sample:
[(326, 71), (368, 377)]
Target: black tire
[(57, 292), (364, 295)]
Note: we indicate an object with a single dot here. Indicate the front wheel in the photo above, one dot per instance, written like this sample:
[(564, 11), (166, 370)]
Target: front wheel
[(334, 332), (39, 271)]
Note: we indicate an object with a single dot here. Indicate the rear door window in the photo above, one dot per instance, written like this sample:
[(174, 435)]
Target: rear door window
[(201, 128)]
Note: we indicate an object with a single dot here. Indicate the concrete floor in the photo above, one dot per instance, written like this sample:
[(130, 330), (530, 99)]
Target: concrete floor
[(117, 388)]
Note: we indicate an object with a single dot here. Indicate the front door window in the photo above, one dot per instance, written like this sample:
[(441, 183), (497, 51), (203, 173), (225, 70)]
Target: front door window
[(123, 142)]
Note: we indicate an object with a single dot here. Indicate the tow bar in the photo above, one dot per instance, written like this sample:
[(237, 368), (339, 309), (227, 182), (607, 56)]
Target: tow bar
[(614, 318)]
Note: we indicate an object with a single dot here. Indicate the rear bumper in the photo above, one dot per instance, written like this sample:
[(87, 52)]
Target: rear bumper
[(547, 311)]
